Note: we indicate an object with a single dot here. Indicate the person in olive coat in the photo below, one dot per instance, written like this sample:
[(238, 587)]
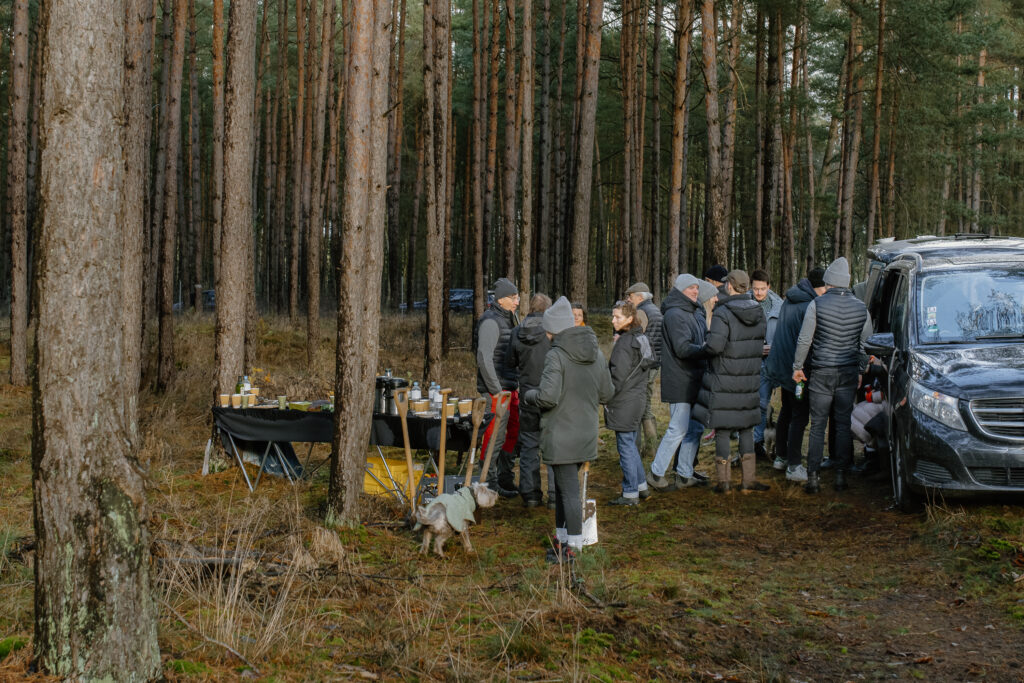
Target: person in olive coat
[(728, 399), (630, 363), (574, 382)]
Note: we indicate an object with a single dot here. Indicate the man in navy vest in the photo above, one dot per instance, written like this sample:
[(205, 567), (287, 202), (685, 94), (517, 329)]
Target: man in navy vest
[(835, 326), (494, 375)]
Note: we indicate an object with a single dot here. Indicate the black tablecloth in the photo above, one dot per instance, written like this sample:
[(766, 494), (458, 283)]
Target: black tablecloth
[(271, 424)]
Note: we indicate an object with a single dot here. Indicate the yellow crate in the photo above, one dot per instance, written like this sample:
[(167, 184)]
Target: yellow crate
[(399, 471)]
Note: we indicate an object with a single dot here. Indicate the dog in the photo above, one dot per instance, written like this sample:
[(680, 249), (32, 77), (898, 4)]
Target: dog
[(452, 513)]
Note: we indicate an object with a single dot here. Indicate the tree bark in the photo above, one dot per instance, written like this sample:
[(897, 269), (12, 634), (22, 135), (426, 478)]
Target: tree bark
[(165, 351), (94, 614), (656, 239), (316, 227), (717, 236), (684, 17), (297, 146), (152, 295), (138, 55), (363, 224), (479, 135), (17, 192), (414, 227), (436, 40), (510, 164), (396, 73), (542, 267), (876, 134), (526, 81), (492, 140), (979, 147), (853, 139), (217, 188), (194, 207), (235, 268)]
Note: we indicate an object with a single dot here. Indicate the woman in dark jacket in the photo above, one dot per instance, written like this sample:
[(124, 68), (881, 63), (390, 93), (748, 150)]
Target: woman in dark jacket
[(632, 357), (728, 398), (574, 381)]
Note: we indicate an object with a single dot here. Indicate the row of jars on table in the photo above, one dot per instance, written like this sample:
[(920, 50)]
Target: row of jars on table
[(426, 404)]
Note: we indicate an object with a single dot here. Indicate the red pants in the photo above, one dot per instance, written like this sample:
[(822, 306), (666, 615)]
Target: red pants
[(511, 428)]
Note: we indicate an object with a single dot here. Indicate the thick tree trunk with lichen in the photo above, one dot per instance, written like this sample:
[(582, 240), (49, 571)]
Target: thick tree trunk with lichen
[(95, 617), (17, 161)]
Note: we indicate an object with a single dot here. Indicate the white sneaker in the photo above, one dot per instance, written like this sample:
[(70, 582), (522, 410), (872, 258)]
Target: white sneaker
[(798, 473), (779, 464)]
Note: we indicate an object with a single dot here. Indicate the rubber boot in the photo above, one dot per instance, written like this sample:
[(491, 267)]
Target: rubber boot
[(840, 481), (722, 470), (750, 482), (650, 429), (812, 485)]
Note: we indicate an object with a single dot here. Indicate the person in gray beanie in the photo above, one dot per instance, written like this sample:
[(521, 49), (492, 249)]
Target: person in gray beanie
[(831, 344), (493, 375), (575, 380)]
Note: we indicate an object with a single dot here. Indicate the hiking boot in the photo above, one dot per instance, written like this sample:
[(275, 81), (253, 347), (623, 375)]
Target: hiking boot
[(759, 450), (722, 472), (798, 473), (812, 485), (623, 500), (506, 493), (750, 482), (659, 484), (779, 464), (645, 494), (839, 484), (686, 482)]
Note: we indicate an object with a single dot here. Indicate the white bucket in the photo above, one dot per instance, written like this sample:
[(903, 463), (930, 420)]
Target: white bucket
[(590, 522)]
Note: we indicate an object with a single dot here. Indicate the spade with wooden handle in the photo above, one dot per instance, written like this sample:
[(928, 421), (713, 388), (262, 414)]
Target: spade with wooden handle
[(478, 416), (402, 402), (444, 440), (500, 409)]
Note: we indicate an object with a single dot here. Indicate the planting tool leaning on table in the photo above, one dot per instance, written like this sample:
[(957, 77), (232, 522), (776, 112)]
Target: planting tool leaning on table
[(479, 405), (443, 440), (504, 399), (402, 402)]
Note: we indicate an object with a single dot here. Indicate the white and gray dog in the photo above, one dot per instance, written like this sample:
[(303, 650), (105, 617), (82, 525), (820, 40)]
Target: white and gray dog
[(450, 513)]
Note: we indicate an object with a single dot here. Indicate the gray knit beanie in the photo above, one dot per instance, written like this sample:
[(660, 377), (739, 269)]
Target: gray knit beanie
[(707, 290), (504, 287), (685, 280), (838, 273), (558, 317)]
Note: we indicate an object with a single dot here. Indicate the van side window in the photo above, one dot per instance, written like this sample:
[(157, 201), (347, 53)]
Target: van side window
[(898, 312)]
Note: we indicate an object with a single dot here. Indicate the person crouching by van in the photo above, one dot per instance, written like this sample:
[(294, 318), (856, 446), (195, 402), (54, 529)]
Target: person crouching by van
[(728, 398), (574, 382), (631, 360)]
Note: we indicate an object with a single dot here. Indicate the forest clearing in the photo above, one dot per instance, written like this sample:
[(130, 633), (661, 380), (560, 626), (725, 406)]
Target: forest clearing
[(686, 586)]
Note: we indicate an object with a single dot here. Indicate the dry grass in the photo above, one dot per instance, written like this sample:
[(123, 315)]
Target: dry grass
[(690, 585)]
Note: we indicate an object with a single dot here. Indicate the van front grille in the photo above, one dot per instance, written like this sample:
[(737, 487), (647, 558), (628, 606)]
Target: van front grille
[(1000, 418)]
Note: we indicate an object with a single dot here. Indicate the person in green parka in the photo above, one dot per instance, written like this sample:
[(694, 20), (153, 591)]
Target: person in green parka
[(575, 381)]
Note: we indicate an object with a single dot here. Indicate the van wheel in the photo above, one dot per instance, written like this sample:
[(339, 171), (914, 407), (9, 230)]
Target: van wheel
[(903, 497)]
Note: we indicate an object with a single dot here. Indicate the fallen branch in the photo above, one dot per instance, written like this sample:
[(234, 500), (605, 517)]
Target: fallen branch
[(207, 638)]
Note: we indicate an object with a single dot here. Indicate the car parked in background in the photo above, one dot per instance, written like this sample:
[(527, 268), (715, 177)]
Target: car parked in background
[(949, 323), (459, 299)]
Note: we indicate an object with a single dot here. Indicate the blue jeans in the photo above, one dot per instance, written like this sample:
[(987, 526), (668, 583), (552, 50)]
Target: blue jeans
[(632, 466), (765, 393), (681, 432)]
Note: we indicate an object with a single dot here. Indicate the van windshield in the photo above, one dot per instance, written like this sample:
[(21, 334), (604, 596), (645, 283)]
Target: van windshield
[(969, 305)]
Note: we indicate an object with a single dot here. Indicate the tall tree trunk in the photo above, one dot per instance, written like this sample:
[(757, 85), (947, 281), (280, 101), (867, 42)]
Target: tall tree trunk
[(760, 117), (138, 57), (509, 173), (165, 351), (397, 59), (436, 54), (17, 192), (94, 613), (788, 161), (580, 261), (195, 205), (656, 240), (363, 224), (217, 189), (235, 268), (684, 17), (479, 137), (281, 182), (729, 108), (890, 203), (812, 214), (414, 227), (526, 82), (853, 146), (316, 216), (876, 134), (151, 291), (542, 267), (492, 136), (716, 246), (979, 147), (297, 146)]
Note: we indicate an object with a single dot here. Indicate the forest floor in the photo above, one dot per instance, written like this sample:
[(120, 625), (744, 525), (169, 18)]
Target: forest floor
[(690, 585)]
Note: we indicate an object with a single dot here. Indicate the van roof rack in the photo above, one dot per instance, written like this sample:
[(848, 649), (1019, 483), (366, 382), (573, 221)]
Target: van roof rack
[(974, 236)]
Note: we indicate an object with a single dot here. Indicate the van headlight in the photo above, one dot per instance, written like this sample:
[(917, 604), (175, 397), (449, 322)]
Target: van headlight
[(937, 406)]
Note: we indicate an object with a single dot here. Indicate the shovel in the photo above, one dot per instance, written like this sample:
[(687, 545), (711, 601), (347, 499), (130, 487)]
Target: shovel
[(589, 511), (444, 440), (478, 417), (402, 402), (500, 409)]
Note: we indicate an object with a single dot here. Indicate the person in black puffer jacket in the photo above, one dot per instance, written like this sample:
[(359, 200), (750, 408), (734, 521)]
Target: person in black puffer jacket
[(728, 398), (526, 348), (631, 359)]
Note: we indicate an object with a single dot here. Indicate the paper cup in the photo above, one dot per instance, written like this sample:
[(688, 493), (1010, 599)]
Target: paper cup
[(465, 406), (255, 391), (282, 402), (236, 400), (245, 400), (225, 400)]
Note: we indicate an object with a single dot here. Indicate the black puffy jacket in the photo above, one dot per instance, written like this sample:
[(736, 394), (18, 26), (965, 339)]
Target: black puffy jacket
[(526, 348), (682, 359), (653, 329), (779, 364), (728, 396), (631, 359)]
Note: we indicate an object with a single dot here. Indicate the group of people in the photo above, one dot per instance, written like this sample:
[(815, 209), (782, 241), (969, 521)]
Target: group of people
[(722, 345)]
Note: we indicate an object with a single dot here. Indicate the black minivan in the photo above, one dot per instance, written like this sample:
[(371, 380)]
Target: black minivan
[(949, 324)]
